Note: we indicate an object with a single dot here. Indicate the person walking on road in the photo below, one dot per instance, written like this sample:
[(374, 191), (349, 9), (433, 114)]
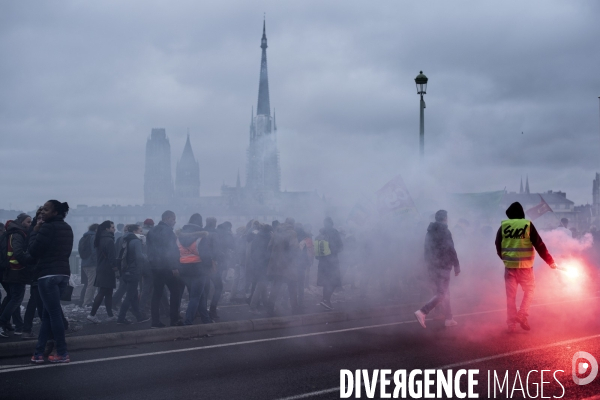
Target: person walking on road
[(195, 267), (104, 243), (281, 269), (515, 240), (163, 255), (440, 258), (16, 272), (89, 259), (34, 303), (133, 261), (328, 246), (52, 248)]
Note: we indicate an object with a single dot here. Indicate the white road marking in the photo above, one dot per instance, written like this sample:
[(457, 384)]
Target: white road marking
[(157, 353), (463, 363)]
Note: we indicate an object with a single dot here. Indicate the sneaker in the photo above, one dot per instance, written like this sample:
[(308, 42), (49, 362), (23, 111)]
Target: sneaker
[(522, 320), (4, 332), (178, 323), (9, 327), (29, 336), (59, 359), (420, 315), (450, 322), (143, 319), (157, 326), (326, 305), (112, 319), (93, 319), (124, 322), (18, 332), (37, 359)]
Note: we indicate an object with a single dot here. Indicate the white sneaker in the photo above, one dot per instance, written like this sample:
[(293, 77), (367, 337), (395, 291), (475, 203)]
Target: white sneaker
[(111, 319), (421, 317), (93, 318), (451, 322)]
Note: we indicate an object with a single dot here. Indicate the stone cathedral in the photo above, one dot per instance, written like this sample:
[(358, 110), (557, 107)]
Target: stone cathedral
[(261, 196)]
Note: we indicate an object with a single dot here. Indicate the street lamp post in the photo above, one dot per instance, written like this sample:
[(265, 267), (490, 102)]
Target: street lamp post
[(421, 81)]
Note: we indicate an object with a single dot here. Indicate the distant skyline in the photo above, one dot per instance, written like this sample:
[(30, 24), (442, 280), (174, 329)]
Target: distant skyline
[(513, 91)]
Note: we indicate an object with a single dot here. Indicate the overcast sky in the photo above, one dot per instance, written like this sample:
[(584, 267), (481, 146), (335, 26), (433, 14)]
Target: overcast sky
[(83, 83)]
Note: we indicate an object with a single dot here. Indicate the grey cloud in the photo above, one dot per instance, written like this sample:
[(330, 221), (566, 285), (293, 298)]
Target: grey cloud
[(84, 84)]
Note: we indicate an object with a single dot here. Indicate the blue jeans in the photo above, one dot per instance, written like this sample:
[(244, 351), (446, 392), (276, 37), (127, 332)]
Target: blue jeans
[(130, 284), (195, 286), (441, 279), (33, 304), (52, 323), (12, 305)]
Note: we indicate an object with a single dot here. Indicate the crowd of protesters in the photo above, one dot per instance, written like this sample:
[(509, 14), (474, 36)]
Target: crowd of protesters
[(152, 266)]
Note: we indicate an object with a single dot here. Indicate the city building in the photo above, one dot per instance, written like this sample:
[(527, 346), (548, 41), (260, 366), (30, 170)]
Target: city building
[(158, 181)]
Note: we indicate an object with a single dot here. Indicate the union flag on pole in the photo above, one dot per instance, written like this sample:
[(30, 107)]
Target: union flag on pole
[(539, 210), (394, 196)]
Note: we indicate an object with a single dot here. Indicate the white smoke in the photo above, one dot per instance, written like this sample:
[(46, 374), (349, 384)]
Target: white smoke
[(561, 244)]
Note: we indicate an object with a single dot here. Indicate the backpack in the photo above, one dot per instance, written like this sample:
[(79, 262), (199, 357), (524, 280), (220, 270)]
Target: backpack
[(85, 246), (122, 258)]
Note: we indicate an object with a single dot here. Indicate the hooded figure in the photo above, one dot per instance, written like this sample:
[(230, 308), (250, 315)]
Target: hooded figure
[(196, 260), (515, 240), (282, 265), (440, 257), (16, 273)]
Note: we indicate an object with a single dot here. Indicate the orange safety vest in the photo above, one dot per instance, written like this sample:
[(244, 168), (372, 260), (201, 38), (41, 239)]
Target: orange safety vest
[(189, 255)]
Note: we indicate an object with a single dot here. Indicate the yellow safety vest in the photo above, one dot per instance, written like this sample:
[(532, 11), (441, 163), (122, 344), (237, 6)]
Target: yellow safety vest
[(516, 249), (322, 248)]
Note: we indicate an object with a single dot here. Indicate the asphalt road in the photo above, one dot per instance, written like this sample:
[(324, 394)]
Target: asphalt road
[(306, 362)]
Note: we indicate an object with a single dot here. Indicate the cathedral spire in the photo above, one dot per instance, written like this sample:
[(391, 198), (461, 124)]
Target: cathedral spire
[(521, 189), (264, 106), (188, 154)]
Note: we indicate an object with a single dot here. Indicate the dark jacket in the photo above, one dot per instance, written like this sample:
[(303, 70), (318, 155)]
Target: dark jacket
[(105, 273), (52, 248), (91, 260), (163, 253), (439, 248), (17, 236), (119, 243), (189, 234), (284, 253), (335, 241), (260, 253), (224, 245), (135, 258)]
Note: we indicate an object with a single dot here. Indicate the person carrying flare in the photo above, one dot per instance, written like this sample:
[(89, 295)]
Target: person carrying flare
[(515, 240)]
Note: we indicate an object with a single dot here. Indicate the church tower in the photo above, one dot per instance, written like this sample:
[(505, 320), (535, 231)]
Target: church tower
[(263, 171), (187, 175), (158, 184)]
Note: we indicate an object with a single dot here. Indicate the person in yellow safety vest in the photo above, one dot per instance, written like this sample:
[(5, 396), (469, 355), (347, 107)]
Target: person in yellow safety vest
[(16, 274), (515, 241)]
